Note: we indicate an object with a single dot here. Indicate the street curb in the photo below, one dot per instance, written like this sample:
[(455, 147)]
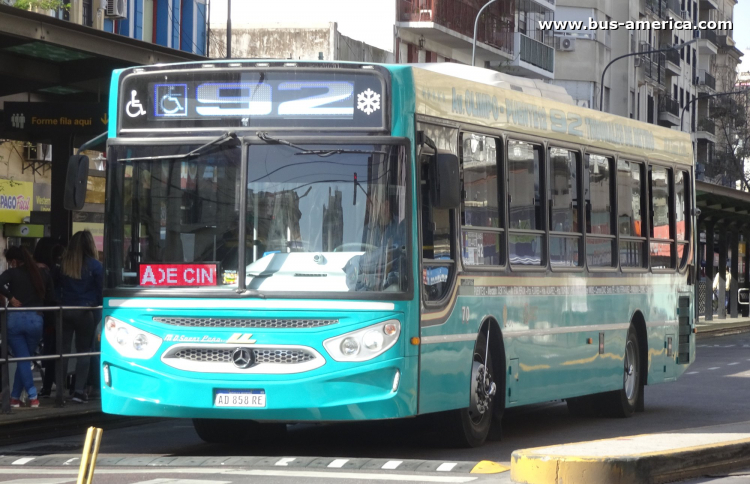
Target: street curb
[(531, 466)]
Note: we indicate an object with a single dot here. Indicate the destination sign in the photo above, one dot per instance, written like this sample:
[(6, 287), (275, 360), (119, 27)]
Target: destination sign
[(236, 98), (177, 275)]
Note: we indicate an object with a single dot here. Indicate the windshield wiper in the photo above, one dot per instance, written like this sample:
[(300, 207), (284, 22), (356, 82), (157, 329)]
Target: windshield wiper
[(229, 135), (304, 151)]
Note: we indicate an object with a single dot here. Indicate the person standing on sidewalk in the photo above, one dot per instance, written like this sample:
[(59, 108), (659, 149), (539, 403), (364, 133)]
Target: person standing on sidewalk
[(81, 281), (24, 285), (47, 254)]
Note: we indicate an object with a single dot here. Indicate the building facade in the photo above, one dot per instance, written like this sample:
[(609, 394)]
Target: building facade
[(178, 24), (659, 88), (508, 33)]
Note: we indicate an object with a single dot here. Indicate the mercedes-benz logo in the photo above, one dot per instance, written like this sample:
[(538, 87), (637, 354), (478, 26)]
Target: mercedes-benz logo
[(243, 357)]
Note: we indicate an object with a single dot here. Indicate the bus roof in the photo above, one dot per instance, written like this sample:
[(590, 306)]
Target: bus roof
[(471, 95)]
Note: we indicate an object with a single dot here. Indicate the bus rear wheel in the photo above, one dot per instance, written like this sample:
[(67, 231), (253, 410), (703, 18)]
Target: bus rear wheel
[(469, 427), (236, 432), (622, 403)]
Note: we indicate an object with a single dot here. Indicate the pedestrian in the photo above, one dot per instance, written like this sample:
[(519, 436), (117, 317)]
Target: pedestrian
[(24, 285), (727, 285), (81, 281), (47, 255)]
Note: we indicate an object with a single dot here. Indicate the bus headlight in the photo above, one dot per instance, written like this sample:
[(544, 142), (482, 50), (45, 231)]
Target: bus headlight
[(130, 341), (364, 344)]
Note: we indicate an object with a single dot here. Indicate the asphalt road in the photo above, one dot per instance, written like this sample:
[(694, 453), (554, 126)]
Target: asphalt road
[(714, 391)]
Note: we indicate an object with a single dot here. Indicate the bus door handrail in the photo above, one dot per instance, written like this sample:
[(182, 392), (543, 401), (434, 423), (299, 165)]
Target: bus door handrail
[(5, 360)]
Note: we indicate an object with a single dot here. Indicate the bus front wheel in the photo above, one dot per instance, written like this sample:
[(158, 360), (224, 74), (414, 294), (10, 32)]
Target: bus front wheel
[(237, 432), (469, 427)]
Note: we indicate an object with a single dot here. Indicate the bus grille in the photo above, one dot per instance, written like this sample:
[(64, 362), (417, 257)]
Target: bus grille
[(265, 355), (245, 323)]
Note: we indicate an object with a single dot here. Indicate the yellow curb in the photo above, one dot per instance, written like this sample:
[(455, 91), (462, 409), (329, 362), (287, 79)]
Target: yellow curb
[(489, 467)]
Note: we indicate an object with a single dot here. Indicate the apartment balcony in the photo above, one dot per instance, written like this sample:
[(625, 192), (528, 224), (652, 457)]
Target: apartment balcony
[(658, 8), (673, 67), (654, 65), (709, 5), (706, 131), (708, 42), (669, 111), (706, 81), (675, 8), (450, 23), (533, 58)]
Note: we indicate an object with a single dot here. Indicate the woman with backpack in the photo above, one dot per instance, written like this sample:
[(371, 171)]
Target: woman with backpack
[(81, 281), (24, 285)]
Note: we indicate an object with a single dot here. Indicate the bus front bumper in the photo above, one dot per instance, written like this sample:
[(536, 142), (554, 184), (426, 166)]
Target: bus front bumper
[(364, 392)]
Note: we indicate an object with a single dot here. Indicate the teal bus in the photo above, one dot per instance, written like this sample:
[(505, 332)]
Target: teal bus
[(318, 242)]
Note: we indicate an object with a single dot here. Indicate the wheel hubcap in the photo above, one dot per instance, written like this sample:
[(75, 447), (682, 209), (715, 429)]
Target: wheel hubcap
[(483, 389), (631, 376)]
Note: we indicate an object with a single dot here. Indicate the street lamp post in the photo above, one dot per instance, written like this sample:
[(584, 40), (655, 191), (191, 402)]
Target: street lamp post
[(476, 22), (229, 29), (708, 96), (601, 85)]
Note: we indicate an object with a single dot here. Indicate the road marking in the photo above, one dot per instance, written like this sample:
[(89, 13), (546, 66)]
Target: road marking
[(447, 466), (43, 480), (732, 364), (338, 463), (714, 368), (255, 472), (392, 464), (22, 461), (692, 373), (169, 480), (70, 461), (284, 461)]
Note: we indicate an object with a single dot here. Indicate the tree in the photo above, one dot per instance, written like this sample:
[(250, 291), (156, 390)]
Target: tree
[(40, 4)]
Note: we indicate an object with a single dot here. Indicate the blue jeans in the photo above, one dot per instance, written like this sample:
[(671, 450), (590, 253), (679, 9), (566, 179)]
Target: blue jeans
[(24, 335)]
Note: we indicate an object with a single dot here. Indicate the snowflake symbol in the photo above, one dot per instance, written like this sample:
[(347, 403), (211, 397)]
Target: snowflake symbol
[(368, 101)]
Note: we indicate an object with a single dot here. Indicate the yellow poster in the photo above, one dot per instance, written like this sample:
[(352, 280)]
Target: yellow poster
[(15, 200)]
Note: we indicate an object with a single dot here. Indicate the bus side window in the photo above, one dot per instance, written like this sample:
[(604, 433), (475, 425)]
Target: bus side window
[(662, 240), (682, 217), (566, 231), (526, 224), (631, 194), (600, 230), (438, 227), (482, 241)]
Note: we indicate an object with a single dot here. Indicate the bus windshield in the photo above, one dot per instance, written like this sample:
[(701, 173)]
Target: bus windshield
[(318, 218)]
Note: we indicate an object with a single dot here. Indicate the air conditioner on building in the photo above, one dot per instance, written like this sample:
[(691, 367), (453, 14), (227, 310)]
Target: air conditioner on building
[(117, 8), (566, 44)]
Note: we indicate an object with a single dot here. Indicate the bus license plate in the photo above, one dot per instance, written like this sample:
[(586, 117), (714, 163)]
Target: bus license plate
[(240, 398)]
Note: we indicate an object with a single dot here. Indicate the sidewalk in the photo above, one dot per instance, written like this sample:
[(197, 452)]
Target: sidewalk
[(722, 326), (649, 458)]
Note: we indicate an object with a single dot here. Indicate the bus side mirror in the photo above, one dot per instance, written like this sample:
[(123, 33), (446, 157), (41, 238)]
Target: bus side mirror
[(76, 181), (445, 182)]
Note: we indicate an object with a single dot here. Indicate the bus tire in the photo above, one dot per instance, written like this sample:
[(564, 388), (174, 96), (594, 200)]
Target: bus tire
[(469, 427), (622, 403), (236, 432)]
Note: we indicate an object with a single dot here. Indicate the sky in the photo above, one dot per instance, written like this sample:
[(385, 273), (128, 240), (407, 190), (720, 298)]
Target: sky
[(741, 31)]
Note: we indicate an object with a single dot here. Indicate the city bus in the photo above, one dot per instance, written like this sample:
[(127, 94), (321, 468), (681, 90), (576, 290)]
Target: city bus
[(321, 242)]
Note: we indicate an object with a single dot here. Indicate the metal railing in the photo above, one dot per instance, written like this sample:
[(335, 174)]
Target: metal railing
[(706, 79), (494, 27), (667, 104), (710, 35), (675, 6), (707, 125), (658, 7), (673, 55), (5, 359), (536, 53)]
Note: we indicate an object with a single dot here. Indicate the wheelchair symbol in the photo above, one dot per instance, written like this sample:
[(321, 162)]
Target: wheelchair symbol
[(134, 107), (169, 100)]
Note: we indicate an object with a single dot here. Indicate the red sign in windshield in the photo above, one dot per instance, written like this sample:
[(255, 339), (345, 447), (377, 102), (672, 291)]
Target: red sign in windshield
[(177, 274)]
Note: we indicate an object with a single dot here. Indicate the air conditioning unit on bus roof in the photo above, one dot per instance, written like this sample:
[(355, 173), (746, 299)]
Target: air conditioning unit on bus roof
[(116, 8)]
